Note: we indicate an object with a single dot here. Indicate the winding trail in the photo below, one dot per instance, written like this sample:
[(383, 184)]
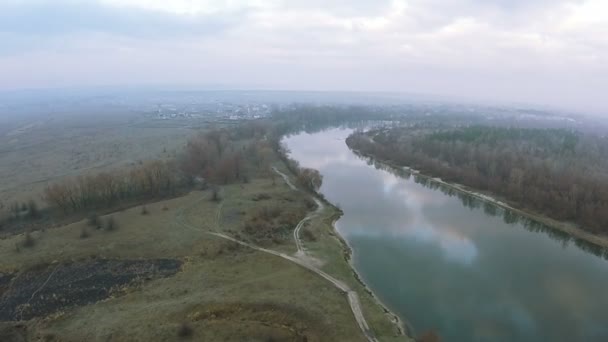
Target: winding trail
[(310, 216), (352, 296)]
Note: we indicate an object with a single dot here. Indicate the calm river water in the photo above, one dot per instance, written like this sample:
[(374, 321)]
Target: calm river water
[(450, 263)]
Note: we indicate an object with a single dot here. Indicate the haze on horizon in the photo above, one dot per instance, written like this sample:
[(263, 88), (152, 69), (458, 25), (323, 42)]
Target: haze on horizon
[(552, 52)]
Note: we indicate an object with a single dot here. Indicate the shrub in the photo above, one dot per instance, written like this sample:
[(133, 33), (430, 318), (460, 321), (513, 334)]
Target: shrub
[(48, 337), (15, 210), (185, 331), (215, 195), (111, 224), (144, 210), (84, 233), (268, 213), (32, 209), (310, 203), (28, 240), (261, 197), (429, 336), (93, 221), (308, 235)]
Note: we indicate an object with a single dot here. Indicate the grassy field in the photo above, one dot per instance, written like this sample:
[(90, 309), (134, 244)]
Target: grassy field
[(222, 291), (52, 148), (324, 248)]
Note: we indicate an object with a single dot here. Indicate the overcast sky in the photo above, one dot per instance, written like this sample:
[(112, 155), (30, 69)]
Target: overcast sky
[(539, 51)]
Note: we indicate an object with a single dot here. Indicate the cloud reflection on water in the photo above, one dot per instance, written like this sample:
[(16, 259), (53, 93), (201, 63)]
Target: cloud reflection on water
[(392, 205), (450, 265)]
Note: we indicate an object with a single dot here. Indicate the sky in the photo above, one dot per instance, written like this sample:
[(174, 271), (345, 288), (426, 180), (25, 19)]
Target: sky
[(552, 52)]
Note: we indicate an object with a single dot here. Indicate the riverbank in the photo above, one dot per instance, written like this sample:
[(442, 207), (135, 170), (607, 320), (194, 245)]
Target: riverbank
[(565, 227), (404, 326), (324, 249), (435, 254)]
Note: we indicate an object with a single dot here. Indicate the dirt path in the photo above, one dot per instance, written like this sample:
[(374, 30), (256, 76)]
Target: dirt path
[(310, 216), (285, 178), (352, 296)]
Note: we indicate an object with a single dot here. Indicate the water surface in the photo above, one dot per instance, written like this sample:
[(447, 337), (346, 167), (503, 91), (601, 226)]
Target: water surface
[(450, 263)]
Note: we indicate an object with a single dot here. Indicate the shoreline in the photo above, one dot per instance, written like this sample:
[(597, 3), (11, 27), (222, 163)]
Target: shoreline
[(405, 328), (565, 227)]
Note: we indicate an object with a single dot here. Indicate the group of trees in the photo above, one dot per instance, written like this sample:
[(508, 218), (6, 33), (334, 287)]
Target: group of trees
[(272, 224), (150, 179), (216, 156), (27, 209), (558, 173), (309, 179), (311, 118), (223, 156)]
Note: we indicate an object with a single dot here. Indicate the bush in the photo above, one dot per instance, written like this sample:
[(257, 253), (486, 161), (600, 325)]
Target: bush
[(215, 195), (308, 235), (429, 336), (32, 209), (84, 233), (268, 213), (93, 221), (185, 331), (28, 240), (310, 203), (15, 210), (261, 197), (144, 210), (111, 224)]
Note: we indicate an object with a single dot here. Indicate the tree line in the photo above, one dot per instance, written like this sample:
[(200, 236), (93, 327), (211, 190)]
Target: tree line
[(150, 179), (555, 172), (307, 178), (217, 156)]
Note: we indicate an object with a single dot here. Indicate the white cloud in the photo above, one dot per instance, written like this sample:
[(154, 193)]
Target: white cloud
[(540, 51), (190, 7)]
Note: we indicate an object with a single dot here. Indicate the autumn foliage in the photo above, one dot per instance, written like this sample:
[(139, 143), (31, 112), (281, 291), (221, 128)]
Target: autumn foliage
[(151, 179), (223, 157), (218, 156)]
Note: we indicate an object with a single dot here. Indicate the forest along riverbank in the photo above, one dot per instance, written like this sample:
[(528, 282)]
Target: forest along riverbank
[(567, 228), (445, 261), (538, 173)]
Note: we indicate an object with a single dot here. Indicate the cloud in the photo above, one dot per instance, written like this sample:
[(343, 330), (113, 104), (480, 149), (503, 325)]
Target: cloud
[(551, 51), (63, 17)]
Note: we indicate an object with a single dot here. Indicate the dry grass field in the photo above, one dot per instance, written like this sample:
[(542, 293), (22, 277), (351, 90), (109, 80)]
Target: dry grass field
[(158, 272), (222, 292), (48, 149)]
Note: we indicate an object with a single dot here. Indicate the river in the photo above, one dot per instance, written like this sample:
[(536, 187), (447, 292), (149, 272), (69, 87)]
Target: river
[(447, 262)]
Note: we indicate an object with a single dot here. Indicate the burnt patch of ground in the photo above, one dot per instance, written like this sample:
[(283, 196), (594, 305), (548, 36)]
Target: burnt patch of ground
[(45, 289), (5, 280)]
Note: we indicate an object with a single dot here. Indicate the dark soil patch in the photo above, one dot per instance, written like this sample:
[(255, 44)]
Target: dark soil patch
[(5, 280), (45, 289)]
